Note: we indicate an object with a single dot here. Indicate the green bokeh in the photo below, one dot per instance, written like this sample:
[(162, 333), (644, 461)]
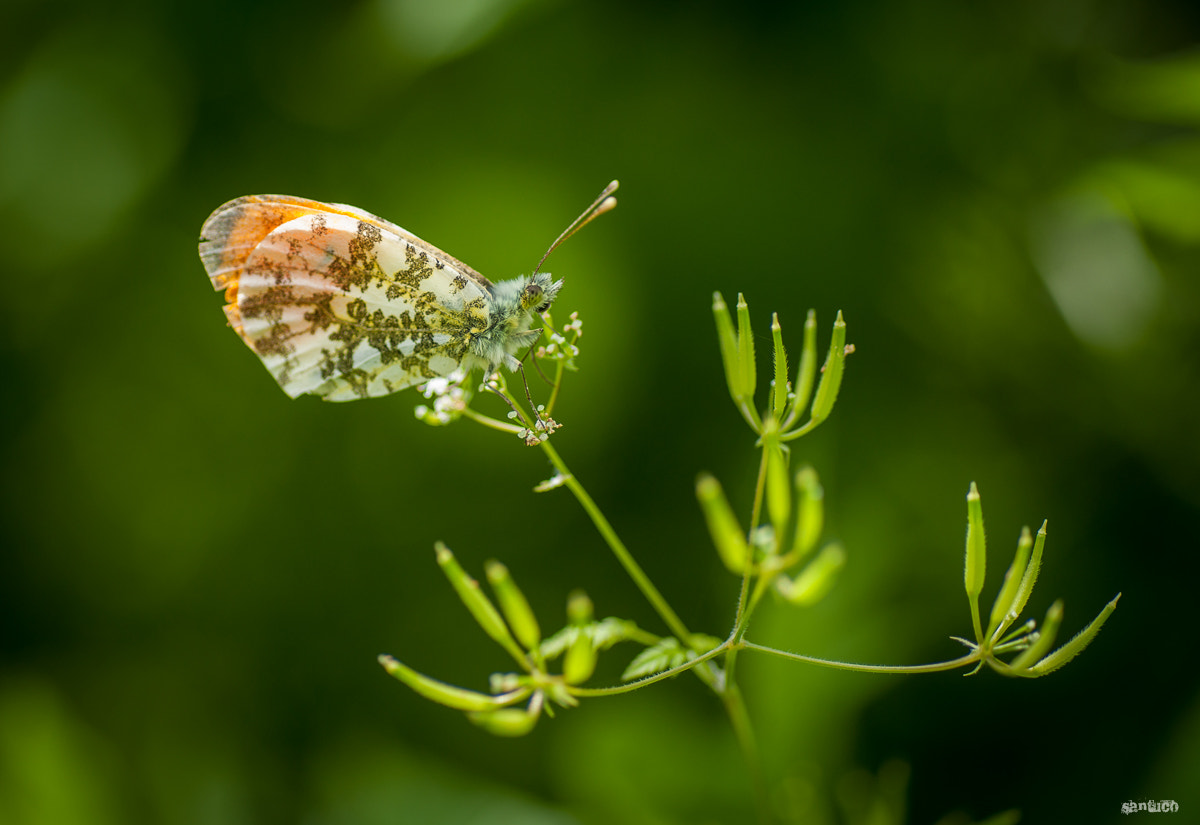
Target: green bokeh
[(197, 572)]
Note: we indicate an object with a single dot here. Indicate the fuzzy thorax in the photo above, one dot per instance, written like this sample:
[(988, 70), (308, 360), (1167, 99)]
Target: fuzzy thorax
[(510, 312)]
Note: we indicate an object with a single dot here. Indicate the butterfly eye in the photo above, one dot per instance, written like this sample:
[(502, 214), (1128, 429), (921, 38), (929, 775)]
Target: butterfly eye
[(533, 296)]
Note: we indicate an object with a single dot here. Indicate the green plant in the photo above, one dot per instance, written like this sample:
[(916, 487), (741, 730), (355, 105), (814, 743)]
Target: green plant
[(779, 550)]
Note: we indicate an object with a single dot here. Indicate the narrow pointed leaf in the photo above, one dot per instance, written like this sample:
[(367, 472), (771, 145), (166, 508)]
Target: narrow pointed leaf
[(727, 339), (779, 393), (745, 342), (1012, 582), (1074, 647), (1030, 578), (1044, 643)]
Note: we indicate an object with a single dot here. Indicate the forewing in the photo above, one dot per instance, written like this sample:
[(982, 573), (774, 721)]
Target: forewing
[(234, 229), (337, 302)]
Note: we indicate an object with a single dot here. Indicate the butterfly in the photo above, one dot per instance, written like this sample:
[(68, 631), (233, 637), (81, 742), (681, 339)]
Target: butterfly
[(342, 304)]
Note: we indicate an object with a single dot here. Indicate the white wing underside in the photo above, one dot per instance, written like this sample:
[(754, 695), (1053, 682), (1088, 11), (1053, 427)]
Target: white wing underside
[(341, 303)]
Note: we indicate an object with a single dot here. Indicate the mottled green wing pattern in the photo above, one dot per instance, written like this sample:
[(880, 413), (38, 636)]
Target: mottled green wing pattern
[(337, 302)]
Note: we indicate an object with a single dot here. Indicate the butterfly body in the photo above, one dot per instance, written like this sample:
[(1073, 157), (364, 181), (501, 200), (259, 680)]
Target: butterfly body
[(342, 304)]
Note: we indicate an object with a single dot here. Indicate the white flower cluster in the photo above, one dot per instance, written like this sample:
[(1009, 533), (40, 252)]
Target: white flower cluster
[(560, 348), (541, 429), (448, 399)]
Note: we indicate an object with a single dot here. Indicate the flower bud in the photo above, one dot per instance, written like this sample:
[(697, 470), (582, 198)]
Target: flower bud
[(814, 581), (514, 605), (723, 526), (831, 373), (476, 601), (440, 692)]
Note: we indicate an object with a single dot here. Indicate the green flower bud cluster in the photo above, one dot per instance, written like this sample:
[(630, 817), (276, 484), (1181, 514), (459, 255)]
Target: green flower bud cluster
[(1034, 657), (517, 700), (794, 501)]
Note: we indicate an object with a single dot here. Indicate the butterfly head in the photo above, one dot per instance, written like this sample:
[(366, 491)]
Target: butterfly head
[(539, 292)]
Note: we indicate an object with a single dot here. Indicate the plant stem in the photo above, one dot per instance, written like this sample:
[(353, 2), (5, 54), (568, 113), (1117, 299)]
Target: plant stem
[(619, 550), (741, 617), (488, 421), (557, 384), (952, 664), (739, 719), (628, 687), (759, 488)]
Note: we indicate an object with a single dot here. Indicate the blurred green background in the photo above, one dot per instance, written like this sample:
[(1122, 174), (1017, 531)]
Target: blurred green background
[(197, 572)]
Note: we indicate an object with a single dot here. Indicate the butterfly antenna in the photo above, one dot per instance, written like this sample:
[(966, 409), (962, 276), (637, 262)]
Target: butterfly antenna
[(602, 204)]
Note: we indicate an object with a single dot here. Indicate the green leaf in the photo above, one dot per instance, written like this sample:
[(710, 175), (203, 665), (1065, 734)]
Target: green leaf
[(668, 653), (1031, 573), (779, 393), (1012, 582), (1074, 647), (665, 655), (604, 634), (745, 349), (1044, 642)]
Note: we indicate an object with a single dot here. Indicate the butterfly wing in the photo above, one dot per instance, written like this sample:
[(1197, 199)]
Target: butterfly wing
[(337, 302)]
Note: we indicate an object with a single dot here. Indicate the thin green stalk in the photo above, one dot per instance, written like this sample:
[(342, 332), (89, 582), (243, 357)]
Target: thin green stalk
[(628, 687), (739, 719), (751, 416), (805, 429), (759, 488), (558, 376), (761, 585), (741, 617), (619, 550), (488, 421), (953, 664)]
